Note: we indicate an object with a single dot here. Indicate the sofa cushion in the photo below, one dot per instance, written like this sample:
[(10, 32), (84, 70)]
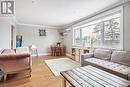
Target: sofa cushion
[(122, 57), (102, 54), (115, 68)]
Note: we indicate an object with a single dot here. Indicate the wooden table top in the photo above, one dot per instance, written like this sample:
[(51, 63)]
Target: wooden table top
[(90, 76)]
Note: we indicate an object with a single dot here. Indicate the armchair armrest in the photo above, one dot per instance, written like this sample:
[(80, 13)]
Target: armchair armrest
[(85, 56), (13, 56)]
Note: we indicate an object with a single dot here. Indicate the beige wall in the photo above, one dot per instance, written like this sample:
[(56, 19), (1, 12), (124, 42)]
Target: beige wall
[(31, 37), (68, 41), (127, 26), (5, 32)]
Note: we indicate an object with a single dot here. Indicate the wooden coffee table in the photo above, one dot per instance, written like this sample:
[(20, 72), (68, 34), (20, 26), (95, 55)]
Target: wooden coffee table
[(90, 76)]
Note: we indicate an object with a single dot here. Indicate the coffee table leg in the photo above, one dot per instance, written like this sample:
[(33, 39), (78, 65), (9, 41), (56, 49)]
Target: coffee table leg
[(63, 82), (5, 76), (72, 86)]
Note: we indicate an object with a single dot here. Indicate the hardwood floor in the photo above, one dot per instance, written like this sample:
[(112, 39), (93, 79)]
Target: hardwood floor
[(41, 76)]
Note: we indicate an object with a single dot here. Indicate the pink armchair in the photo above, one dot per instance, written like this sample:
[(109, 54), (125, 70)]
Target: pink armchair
[(11, 62)]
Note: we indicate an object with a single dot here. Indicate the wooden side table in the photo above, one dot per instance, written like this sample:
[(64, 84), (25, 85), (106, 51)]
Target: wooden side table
[(57, 50)]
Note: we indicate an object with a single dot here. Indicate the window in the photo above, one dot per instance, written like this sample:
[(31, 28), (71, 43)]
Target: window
[(104, 32), (88, 32), (112, 33), (77, 36)]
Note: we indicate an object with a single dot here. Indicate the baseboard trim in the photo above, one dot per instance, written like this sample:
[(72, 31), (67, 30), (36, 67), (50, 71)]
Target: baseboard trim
[(42, 54), (70, 56)]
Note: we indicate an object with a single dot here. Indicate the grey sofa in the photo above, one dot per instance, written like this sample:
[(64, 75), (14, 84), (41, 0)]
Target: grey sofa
[(115, 62)]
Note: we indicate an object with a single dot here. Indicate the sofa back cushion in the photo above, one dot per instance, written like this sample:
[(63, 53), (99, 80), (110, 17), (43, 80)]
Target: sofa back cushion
[(102, 54), (122, 57)]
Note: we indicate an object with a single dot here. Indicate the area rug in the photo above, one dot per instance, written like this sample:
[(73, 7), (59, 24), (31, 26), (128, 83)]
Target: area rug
[(61, 64)]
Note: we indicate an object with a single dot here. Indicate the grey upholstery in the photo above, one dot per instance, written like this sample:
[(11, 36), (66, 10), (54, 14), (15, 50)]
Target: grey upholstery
[(122, 57), (115, 68), (102, 54), (116, 62), (85, 56)]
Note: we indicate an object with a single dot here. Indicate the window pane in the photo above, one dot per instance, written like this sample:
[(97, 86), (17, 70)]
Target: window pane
[(77, 38), (103, 32), (112, 33), (91, 35), (97, 41), (86, 31)]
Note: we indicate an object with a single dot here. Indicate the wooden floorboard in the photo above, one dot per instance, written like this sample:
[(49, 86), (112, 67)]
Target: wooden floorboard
[(41, 76)]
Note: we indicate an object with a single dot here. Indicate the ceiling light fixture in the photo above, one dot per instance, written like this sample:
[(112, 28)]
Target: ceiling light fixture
[(68, 29)]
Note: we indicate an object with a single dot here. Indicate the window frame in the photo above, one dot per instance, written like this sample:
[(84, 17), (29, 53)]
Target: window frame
[(102, 16), (74, 44)]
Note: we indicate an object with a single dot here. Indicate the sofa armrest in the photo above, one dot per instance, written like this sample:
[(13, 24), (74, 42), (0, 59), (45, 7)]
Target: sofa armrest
[(13, 56), (85, 56), (88, 55)]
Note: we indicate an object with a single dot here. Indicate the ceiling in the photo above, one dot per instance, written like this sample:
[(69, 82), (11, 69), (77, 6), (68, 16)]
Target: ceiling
[(57, 12)]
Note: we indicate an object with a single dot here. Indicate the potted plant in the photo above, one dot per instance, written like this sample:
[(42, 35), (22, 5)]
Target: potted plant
[(58, 43)]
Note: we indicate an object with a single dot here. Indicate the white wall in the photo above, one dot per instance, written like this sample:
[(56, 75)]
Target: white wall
[(127, 26), (5, 32), (68, 41), (31, 37)]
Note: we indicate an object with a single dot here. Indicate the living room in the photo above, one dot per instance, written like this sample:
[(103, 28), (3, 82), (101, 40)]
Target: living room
[(60, 43)]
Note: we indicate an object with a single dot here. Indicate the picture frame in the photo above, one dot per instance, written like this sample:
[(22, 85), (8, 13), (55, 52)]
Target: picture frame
[(42, 32)]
